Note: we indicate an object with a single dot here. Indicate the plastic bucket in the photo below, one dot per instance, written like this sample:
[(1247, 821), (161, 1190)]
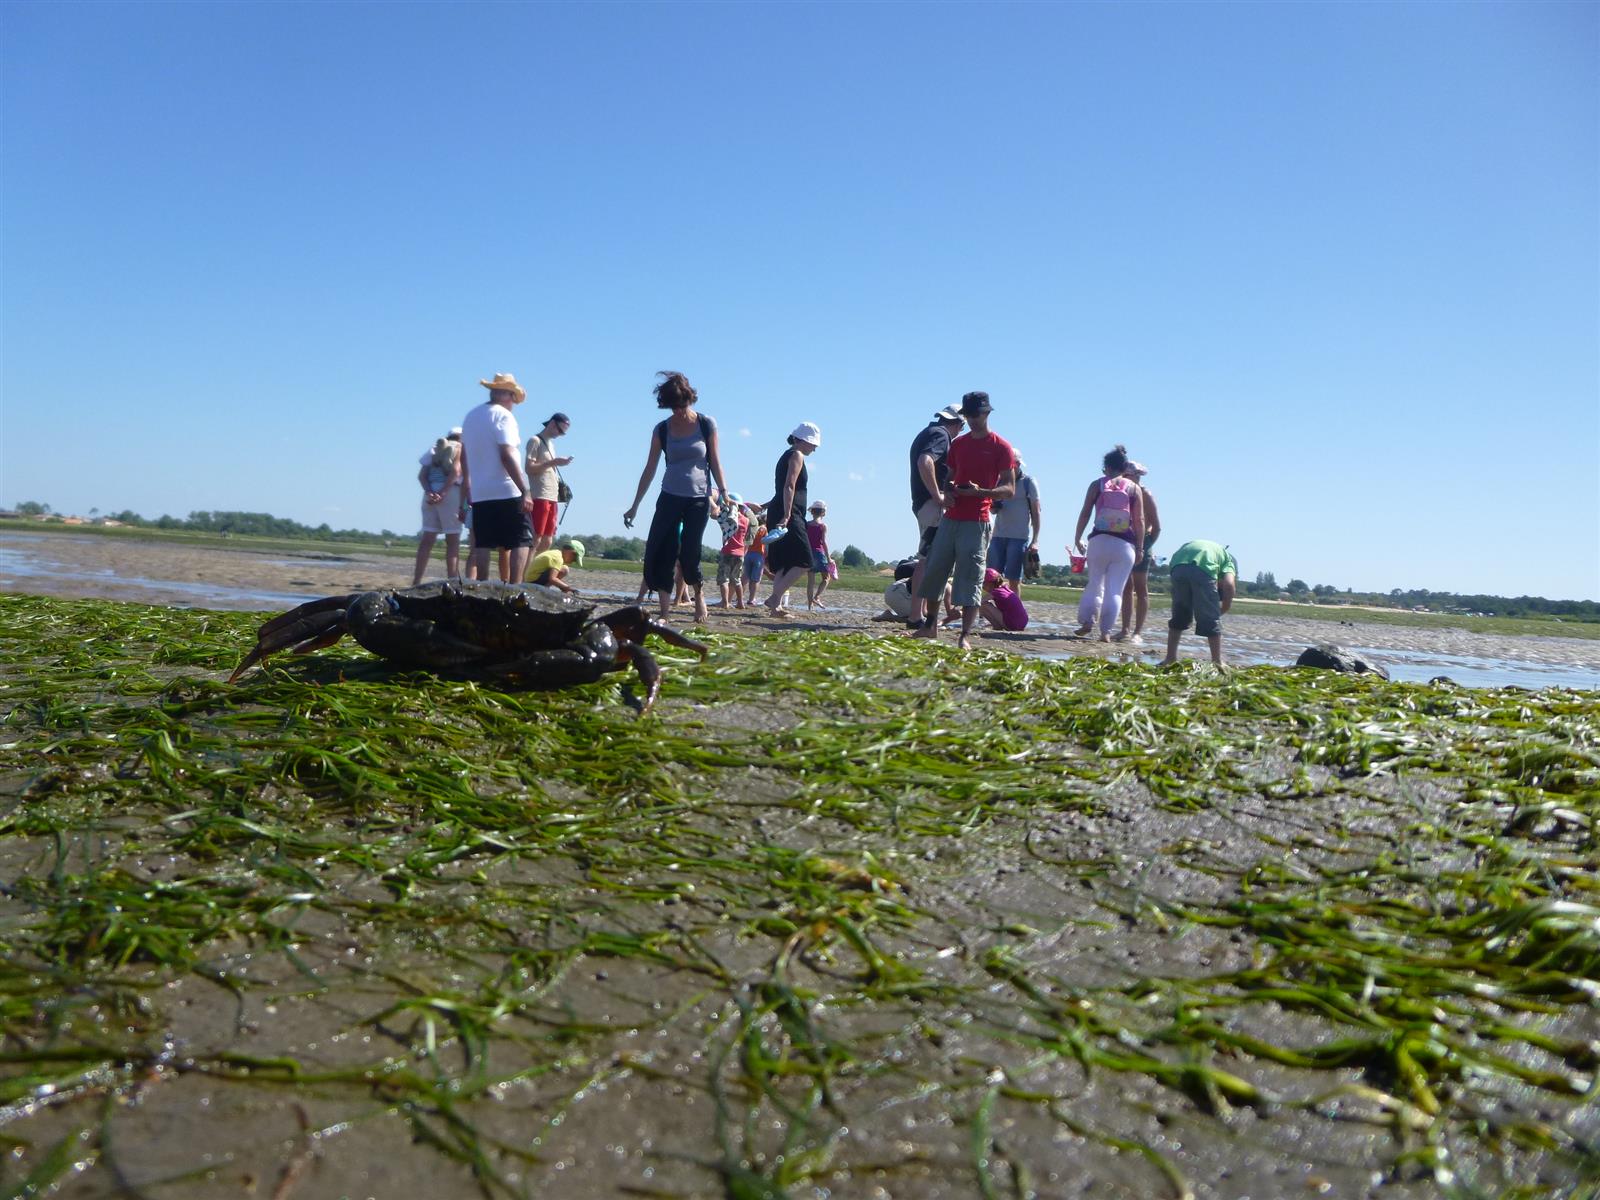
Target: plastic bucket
[(1079, 564)]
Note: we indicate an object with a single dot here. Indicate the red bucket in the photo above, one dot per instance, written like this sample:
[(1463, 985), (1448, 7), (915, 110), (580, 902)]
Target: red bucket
[(1079, 564)]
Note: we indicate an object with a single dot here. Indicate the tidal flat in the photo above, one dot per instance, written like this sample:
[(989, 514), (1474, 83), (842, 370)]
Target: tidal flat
[(844, 917)]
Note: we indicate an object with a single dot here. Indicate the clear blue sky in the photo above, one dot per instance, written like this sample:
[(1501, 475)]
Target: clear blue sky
[(1332, 271)]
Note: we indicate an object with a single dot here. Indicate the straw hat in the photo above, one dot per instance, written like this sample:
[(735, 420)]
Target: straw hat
[(504, 382)]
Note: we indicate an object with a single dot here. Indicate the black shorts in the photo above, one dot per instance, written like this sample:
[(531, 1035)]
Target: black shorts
[(501, 524), (925, 543)]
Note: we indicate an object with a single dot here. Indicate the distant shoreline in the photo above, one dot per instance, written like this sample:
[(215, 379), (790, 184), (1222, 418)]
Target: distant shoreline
[(867, 581)]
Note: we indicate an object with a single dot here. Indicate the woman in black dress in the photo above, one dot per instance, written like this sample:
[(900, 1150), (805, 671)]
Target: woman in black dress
[(790, 556)]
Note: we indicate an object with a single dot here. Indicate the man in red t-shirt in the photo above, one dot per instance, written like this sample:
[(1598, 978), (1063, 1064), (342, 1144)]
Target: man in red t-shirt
[(983, 468)]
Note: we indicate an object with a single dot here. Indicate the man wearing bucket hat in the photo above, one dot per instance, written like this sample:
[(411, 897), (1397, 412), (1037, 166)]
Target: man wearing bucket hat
[(982, 469), (930, 476), (494, 480), (549, 567)]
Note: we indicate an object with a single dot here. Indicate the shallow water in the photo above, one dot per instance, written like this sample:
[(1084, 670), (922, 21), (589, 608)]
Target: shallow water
[(1421, 666), (27, 564)]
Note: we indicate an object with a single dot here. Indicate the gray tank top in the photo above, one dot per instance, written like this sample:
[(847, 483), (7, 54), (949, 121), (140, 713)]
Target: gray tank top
[(687, 473)]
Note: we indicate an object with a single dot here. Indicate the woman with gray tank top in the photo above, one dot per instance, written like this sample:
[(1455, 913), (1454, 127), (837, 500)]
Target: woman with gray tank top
[(688, 442)]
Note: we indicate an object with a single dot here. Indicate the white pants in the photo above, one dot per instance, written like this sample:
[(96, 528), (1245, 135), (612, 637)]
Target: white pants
[(1110, 564)]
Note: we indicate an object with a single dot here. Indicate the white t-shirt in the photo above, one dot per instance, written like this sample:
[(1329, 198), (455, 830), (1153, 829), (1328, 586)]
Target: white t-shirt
[(483, 431), (542, 483)]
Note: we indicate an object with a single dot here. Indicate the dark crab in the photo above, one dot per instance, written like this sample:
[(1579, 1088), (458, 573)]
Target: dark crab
[(534, 635)]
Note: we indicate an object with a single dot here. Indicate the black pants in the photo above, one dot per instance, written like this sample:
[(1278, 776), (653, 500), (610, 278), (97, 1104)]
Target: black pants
[(676, 532)]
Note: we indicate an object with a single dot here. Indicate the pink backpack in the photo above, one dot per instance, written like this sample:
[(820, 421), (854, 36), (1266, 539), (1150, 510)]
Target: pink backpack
[(1113, 507)]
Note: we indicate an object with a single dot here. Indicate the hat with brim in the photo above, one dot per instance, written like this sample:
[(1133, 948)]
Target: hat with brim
[(949, 413), (504, 382), (577, 549), (975, 402), (1138, 468), (455, 433), (808, 433)]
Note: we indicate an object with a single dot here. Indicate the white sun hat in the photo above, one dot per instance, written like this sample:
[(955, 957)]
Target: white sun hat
[(807, 432)]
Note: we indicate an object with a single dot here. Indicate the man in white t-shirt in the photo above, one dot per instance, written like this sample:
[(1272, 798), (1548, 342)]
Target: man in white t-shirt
[(494, 480)]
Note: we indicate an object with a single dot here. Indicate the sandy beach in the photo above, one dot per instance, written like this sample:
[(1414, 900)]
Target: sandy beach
[(157, 572)]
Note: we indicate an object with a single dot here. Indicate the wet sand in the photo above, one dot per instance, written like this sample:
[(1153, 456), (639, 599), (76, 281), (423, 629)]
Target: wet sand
[(156, 572)]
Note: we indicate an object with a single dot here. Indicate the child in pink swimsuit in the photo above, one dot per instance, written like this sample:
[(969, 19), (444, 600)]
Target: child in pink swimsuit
[(1002, 607)]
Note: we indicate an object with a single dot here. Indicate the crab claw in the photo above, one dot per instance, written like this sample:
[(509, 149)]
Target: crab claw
[(309, 627), (649, 671), (633, 623)]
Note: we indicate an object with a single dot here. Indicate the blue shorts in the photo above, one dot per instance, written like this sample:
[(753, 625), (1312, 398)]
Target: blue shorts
[(1005, 555), (754, 562)]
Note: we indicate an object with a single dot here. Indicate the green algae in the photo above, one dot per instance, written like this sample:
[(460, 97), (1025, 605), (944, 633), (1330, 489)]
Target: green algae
[(832, 880)]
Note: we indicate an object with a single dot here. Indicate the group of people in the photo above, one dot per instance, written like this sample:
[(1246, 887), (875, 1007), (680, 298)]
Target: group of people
[(975, 565), (977, 509), (511, 493)]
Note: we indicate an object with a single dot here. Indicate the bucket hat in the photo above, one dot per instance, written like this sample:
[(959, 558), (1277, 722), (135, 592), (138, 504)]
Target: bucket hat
[(807, 432), (975, 402)]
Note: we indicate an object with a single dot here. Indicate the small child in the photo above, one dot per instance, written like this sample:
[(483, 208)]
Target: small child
[(1204, 578), (817, 535), (735, 525), (549, 567), (441, 464), (1001, 606), (755, 553)]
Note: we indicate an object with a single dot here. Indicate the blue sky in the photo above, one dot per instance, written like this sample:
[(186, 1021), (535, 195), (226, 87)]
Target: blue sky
[(1331, 271)]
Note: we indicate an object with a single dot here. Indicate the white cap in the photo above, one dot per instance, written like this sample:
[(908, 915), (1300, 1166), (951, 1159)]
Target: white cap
[(807, 432), (456, 432)]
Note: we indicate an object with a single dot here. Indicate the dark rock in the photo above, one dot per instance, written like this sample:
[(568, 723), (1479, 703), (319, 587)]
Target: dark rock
[(1329, 657)]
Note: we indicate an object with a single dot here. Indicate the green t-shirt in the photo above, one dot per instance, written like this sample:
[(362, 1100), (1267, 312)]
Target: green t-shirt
[(548, 560), (1211, 558)]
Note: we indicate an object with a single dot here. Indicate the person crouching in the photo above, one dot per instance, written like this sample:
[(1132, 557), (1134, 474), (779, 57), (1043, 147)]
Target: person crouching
[(549, 568)]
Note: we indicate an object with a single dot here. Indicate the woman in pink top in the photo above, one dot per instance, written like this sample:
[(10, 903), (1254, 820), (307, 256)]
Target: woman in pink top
[(1117, 505), (1001, 606), (817, 535)]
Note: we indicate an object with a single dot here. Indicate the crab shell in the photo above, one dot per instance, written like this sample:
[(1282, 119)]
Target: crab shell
[(535, 635)]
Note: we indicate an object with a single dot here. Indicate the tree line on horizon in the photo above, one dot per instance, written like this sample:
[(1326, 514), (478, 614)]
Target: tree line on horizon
[(631, 550)]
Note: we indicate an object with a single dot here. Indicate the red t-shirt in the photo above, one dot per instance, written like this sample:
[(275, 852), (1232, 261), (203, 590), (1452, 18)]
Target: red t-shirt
[(980, 461)]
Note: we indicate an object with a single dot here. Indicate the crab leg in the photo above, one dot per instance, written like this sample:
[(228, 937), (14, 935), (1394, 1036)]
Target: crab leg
[(308, 627), (633, 624)]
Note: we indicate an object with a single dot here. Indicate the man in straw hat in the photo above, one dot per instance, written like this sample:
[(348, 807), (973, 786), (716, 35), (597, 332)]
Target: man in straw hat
[(494, 479), (983, 469)]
